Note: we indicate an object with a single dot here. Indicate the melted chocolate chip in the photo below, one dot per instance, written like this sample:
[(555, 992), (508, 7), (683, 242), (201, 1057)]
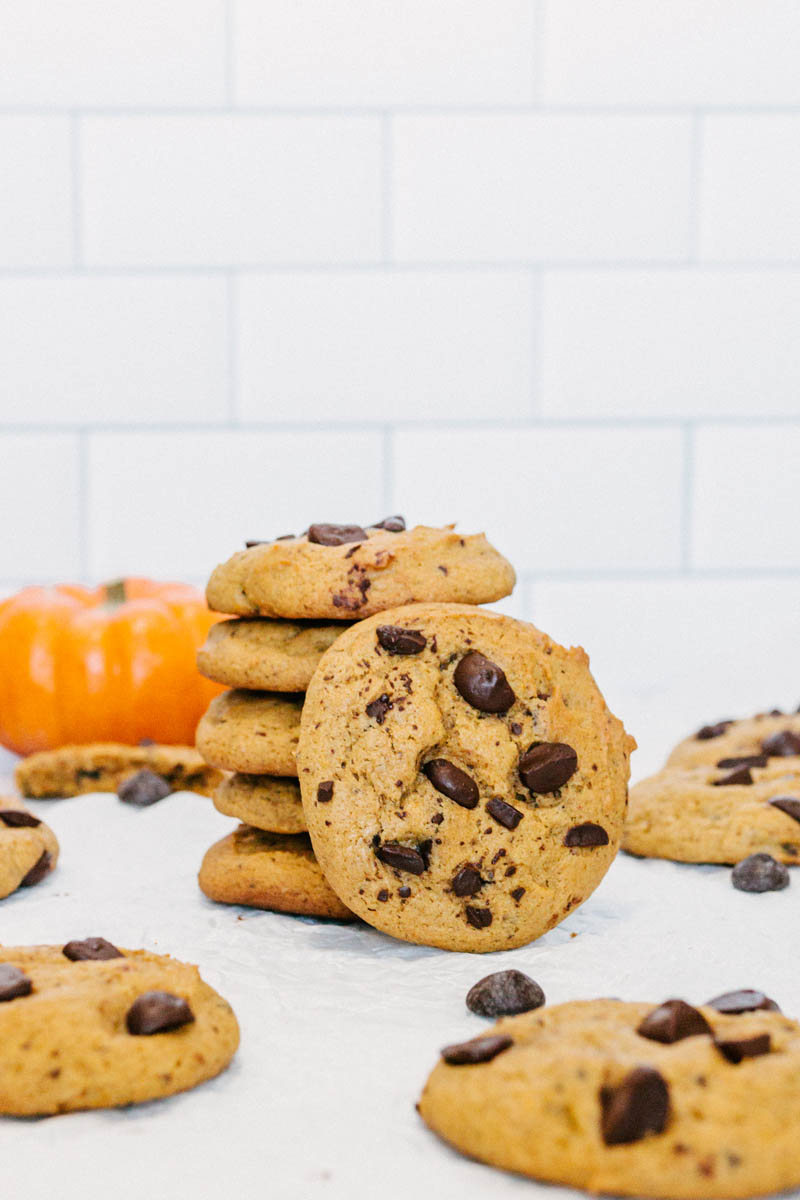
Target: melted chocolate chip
[(157, 1012), (781, 745), (546, 766), (452, 782), (479, 1050), (505, 814), (743, 1001), (635, 1107), (479, 918), (587, 834), (38, 871), (377, 709), (336, 535), (673, 1021), (749, 1047), (95, 949), (14, 818), (144, 788), (503, 994), (787, 804), (325, 792), (483, 684), (402, 858), (13, 983), (744, 760), (396, 640), (739, 776), (712, 731), (467, 881), (759, 873), (394, 524), (257, 542)]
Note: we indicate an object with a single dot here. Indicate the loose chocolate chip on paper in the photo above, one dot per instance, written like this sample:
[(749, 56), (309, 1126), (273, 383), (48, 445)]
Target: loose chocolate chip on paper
[(394, 524), (503, 994), (587, 834), (738, 776), (94, 949), (144, 788), (38, 871), (479, 1050), (396, 640), (336, 535), (402, 858), (782, 745), (787, 804), (479, 918), (673, 1021), (742, 1001), (759, 873), (467, 882), (744, 760), (452, 782), (377, 709), (712, 731), (546, 766), (483, 684), (14, 818), (751, 1047), (505, 814), (13, 983), (325, 792), (635, 1107), (157, 1012)]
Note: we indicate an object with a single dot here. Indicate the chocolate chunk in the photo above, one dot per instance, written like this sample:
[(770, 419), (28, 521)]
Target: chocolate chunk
[(546, 766), (673, 1021), (325, 792), (402, 858), (94, 949), (744, 760), (750, 1047), (404, 892), (479, 918), (781, 745), (739, 775), (467, 881), (16, 819), (144, 788), (787, 804), (39, 869), (256, 542), (743, 1001), (13, 983), (587, 834), (635, 1107), (377, 709), (383, 895), (503, 994), (759, 873), (517, 893), (712, 731), (452, 782), (394, 524), (479, 1050), (157, 1012), (396, 640), (483, 684), (336, 535), (506, 814)]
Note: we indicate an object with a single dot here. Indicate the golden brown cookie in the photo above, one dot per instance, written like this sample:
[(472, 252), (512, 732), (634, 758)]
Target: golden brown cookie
[(99, 1032), (28, 847), (345, 572), (276, 656), (265, 801), (269, 870), (771, 735), (103, 766), (252, 732), (628, 1099), (463, 780)]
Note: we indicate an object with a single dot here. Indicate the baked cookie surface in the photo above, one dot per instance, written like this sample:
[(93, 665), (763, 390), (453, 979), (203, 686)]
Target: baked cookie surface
[(774, 735), (28, 847), (264, 801), (103, 766), (252, 732), (340, 572), (277, 656), (576, 1095), (463, 781), (78, 1034), (266, 870)]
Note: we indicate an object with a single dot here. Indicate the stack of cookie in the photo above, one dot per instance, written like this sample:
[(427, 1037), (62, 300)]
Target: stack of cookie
[(292, 598)]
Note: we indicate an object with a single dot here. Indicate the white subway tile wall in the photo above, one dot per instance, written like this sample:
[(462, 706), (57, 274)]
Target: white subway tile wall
[(529, 264)]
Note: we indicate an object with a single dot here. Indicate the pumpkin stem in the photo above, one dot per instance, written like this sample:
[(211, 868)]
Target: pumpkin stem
[(115, 592)]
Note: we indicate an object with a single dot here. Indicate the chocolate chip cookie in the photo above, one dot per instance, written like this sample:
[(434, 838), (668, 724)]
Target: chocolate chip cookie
[(28, 847), (462, 778), (772, 735), (263, 801), (252, 732), (103, 766), (276, 656)]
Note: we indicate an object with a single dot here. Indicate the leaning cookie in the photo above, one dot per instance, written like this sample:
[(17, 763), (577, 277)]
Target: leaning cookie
[(273, 871), (712, 814), (252, 732), (91, 1026), (103, 766), (263, 801), (28, 847), (276, 656), (345, 572), (772, 735), (629, 1099)]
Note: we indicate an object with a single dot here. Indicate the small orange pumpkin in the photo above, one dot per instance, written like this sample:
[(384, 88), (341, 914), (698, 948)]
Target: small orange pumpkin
[(114, 663)]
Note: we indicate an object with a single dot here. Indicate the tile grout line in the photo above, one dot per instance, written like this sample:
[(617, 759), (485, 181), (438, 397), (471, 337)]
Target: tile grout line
[(466, 109)]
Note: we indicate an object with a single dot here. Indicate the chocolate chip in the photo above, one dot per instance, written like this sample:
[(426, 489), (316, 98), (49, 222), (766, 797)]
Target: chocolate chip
[(506, 814), (467, 881), (546, 766), (743, 1001), (635, 1107), (750, 1047), (452, 782), (404, 892), (479, 918), (437, 818), (402, 858), (739, 775), (377, 709), (157, 1012), (483, 684), (256, 542), (13, 983), (516, 728), (144, 788), (517, 893), (479, 1050), (787, 804), (744, 760), (503, 994), (325, 792), (95, 949), (587, 834), (336, 535), (16, 819), (383, 895), (394, 524), (673, 1021), (712, 731), (38, 871), (759, 873), (782, 745), (396, 640)]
